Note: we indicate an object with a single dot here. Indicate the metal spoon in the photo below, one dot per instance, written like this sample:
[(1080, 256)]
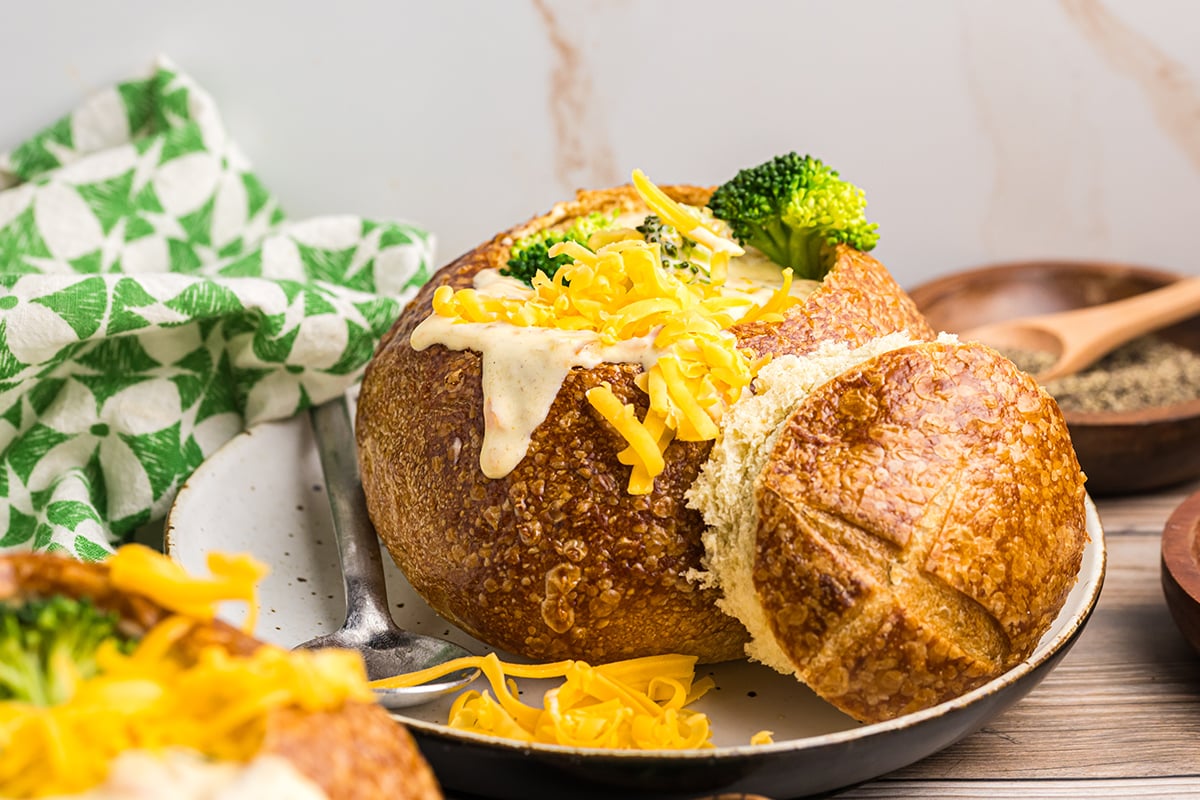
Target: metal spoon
[(387, 649), (1080, 337)]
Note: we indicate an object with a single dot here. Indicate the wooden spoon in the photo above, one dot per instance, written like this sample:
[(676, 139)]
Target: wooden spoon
[(1080, 337)]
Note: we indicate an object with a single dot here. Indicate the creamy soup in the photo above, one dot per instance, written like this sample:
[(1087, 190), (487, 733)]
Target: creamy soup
[(184, 775)]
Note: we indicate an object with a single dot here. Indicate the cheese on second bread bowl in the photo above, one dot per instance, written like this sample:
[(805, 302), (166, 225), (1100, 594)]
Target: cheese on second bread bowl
[(144, 673)]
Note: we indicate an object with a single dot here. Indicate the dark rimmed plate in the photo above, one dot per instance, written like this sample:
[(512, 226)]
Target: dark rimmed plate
[(263, 494)]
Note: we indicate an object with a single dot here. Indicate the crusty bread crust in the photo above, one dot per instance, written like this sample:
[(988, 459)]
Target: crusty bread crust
[(556, 560), (921, 521), (356, 753)]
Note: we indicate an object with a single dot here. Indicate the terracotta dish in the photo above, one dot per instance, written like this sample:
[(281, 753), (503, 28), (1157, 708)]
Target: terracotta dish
[(1181, 567), (1121, 452)]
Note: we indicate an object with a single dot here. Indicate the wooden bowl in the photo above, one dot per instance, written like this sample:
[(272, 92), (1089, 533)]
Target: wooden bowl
[(1121, 452), (1181, 568)]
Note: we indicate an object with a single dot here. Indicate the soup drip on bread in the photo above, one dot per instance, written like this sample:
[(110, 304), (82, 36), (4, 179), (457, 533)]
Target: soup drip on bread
[(627, 294)]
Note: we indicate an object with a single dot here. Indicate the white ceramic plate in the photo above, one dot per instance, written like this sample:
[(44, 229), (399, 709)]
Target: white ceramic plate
[(263, 493)]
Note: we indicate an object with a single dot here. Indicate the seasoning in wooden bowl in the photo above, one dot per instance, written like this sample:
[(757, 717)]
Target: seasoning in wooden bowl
[(1145, 373)]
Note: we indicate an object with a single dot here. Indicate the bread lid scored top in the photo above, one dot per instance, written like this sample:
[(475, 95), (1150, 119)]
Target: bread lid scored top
[(909, 528)]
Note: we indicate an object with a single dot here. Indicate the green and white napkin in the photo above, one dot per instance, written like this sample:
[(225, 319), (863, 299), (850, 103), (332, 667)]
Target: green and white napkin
[(154, 300)]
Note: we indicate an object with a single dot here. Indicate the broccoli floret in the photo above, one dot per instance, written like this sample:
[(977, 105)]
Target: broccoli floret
[(47, 646), (676, 251), (531, 259), (795, 209), (531, 254)]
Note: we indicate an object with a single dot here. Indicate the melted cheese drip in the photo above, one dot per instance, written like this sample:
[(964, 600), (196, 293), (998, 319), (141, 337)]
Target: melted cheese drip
[(614, 304), (523, 368)]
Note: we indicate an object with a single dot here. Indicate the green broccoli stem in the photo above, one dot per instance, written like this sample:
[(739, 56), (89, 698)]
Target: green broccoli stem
[(47, 646), (21, 678), (805, 250)]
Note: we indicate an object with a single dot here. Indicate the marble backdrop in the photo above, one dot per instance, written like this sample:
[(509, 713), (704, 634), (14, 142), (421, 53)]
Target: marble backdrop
[(982, 130)]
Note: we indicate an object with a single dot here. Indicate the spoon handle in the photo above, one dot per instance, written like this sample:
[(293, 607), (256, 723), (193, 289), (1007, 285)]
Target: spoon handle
[(1087, 334), (358, 547), (1142, 313)]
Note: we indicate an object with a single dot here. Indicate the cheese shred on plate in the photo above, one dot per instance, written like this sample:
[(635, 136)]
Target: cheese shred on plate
[(151, 699), (637, 704), (618, 288)]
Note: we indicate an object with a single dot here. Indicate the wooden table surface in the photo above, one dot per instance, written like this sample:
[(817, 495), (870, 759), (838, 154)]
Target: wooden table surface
[(1120, 715)]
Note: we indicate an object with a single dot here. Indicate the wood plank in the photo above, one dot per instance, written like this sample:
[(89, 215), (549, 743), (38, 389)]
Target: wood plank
[(1181, 786), (1141, 513)]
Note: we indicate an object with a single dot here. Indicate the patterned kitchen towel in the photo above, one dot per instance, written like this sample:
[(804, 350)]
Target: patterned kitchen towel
[(154, 300)]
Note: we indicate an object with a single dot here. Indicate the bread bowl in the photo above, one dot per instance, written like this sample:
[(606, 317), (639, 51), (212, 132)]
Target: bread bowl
[(554, 560), (567, 551), (335, 744)]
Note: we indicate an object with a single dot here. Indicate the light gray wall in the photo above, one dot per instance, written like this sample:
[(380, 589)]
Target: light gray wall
[(982, 130)]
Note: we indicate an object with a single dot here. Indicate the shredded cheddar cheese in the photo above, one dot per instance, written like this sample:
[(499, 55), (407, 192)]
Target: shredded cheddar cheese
[(138, 569), (617, 287), (690, 224), (154, 699), (638, 704)]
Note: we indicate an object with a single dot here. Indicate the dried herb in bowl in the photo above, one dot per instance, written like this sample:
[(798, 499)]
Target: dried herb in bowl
[(1145, 373)]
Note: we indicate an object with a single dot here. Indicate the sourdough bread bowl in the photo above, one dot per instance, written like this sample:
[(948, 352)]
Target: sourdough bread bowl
[(555, 559), (890, 515), (351, 750)]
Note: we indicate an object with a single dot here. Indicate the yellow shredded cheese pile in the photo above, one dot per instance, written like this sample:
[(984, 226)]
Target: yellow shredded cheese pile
[(618, 288), (153, 698), (763, 737), (637, 704), (139, 570)]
